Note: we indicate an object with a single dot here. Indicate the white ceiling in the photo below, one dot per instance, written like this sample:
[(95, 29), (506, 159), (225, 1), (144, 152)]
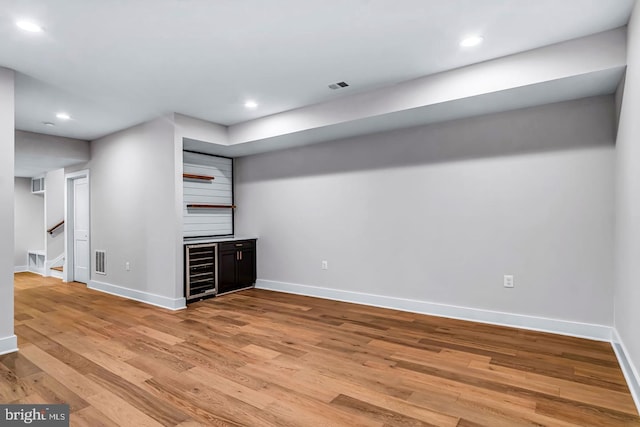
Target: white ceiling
[(113, 63)]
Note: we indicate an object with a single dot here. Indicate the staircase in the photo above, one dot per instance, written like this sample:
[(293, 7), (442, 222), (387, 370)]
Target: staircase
[(57, 270)]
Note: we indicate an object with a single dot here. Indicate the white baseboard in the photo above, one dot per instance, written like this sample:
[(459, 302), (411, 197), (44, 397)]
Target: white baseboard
[(55, 273), (20, 268), (8, 344), (37, 271), (631, 373), (556, 326), (145, 297)]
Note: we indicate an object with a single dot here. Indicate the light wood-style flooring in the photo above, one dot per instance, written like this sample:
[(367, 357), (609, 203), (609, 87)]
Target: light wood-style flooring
[(259, 358)]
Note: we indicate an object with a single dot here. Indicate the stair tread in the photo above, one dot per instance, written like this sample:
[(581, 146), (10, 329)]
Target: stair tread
[(58, 268)]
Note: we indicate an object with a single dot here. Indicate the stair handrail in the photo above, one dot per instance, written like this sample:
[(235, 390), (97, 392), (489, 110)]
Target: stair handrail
[(55, 227)]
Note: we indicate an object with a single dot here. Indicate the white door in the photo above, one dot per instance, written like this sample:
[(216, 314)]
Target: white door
[(81, 251)]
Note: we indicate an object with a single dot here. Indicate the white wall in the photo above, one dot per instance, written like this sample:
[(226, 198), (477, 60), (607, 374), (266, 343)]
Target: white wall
[(37, 154), (627, 284), (133, 211), (200, 130), (54, 212), (440, 213), (29, 221), (8, 341)]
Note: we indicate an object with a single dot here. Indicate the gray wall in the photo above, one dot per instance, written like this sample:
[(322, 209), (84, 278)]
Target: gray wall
[(37, 154), (54, 212), (29, 221), (133, 212), (440, 213), (7, 120), (627, 285)]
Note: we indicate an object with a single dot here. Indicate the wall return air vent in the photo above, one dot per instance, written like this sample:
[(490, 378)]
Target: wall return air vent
[(101, 264)]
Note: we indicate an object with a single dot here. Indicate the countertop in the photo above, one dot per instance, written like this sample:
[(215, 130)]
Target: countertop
[(191, 241)]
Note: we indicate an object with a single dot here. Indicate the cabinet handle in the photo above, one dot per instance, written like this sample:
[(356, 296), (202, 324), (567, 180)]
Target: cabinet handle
[(238, 245), (240, 255), (237, 255)]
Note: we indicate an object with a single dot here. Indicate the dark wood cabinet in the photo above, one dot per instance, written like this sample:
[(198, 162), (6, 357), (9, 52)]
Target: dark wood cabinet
[(219, 267), (236, 265), (227, 272), (247, 267)]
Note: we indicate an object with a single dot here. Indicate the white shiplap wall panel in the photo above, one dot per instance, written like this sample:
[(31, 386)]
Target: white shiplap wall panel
[(208, 222), (213, 192), (210, 230)]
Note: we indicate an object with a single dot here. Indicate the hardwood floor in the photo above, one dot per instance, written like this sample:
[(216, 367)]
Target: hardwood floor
[(259, 358)]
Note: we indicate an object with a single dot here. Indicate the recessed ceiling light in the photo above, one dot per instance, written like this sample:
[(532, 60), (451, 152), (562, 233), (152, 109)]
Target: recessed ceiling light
[(63, 116), (251, 104), (30, 26), (471, 41), (48, 124)]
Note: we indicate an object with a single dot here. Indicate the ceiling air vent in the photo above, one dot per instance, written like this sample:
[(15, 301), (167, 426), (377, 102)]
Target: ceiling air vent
[(338, 85)]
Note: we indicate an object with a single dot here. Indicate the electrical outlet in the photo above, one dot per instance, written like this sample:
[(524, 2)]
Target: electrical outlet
[(508, 281), (325, 264), (127, 266)]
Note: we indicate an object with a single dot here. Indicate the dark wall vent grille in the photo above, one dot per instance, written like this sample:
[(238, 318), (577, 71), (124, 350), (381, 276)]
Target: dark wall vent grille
[(101, 266), (338, 85)]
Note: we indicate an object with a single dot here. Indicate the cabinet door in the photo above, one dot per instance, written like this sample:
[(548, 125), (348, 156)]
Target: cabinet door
[(247, 268), (227, 277)]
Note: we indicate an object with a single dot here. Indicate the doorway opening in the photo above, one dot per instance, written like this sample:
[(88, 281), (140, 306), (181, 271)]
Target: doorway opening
[(77, 243)]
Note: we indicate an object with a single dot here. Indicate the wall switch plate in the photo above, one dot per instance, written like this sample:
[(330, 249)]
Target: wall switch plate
[(127, 266), (325, 265), (508, 281)]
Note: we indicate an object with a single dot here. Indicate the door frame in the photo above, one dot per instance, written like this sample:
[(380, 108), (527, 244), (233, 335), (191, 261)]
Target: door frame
[(69, 178)]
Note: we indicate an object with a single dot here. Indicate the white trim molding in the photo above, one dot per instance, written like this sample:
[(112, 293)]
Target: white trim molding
[(20, 268), (8, 344), (133, 294), (54, 262), (556, 326), (631, 373), (56, 274)]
